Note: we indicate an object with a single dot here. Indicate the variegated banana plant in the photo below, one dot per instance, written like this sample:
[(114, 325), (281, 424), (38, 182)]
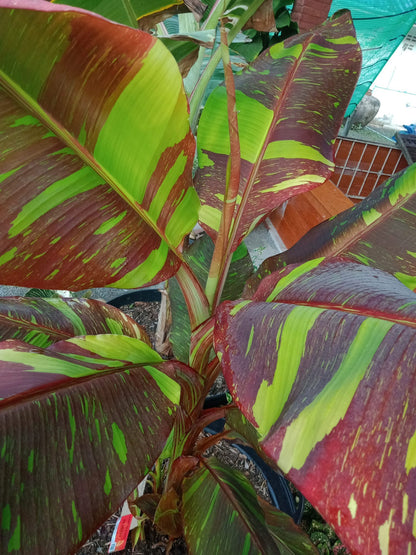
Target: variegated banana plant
[(318, 347)]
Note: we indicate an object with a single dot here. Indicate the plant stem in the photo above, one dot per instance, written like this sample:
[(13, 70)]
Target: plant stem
[(201, 345), (217, 9), (195, 298), (206, 417), (202, 80), (220, 262), (195, 98), (197, 94), (207, 442)]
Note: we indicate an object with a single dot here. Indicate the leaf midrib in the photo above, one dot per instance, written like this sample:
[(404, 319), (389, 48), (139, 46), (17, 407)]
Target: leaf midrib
[(276, 114), (56, 388), (28, 103), (26, 325), (227, 490), (350, 241), (363, 312)]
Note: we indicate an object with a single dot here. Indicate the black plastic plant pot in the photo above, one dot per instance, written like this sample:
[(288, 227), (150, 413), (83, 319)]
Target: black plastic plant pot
[(280, 493), (140, 295)]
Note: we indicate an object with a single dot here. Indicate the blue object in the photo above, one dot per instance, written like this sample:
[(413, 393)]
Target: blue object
[(381, 26)]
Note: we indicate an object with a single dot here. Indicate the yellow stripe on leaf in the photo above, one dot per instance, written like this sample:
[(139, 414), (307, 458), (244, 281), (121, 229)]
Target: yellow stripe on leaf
[(323, 414)]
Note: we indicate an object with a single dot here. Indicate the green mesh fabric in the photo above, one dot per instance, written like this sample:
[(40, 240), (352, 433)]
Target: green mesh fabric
[(381, 26)]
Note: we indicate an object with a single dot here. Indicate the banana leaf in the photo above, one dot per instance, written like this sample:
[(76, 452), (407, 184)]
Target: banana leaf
[(95, 152), (120, 11), (149, 15), (185, 47), (145, 13), (43, 321), (70, 449), (198, 255), (379, 232), (290, 103), (233, 515), (324, 370)]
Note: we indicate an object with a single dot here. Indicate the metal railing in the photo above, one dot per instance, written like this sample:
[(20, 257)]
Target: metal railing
[(361, 166)]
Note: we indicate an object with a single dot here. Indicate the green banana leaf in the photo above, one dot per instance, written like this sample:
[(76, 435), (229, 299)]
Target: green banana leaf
[(43, 293), (325, 373), (290, 538), (379, 232), (147, 12), (231, 513), (233, 10), (121, 11), (43, 321), (81, 424), (95, 152), (290, 104)]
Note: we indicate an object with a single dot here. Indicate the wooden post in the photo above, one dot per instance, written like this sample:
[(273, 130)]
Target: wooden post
[(310, 13)]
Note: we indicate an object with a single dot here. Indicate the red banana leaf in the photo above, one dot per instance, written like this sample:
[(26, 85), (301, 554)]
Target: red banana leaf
[(95, 152), (375, 293), (290, 538), (380, 232), (78, 431), (326, 374), (232, 515), (290, 103), (42, 322)]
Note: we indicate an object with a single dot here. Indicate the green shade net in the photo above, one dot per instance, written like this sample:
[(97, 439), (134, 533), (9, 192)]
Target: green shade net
[(381, 26)]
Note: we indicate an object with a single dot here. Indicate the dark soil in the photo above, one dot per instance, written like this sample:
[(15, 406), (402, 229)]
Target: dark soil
[(146, 314)]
